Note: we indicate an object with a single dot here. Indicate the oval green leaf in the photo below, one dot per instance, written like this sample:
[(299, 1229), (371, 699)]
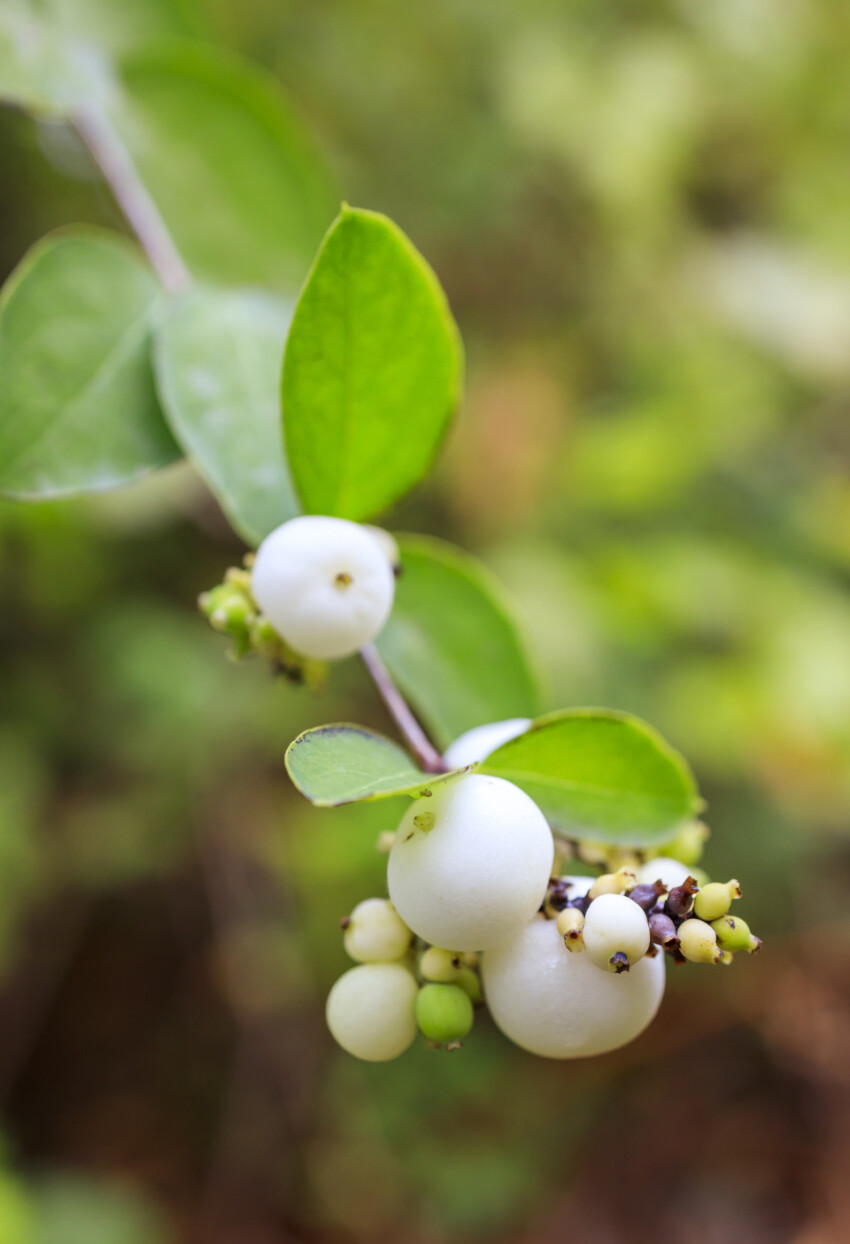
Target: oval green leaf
[(451, 644), (338, 764), (372, 372), (217, 358), (241, 186), (601, 774), (78, 408)]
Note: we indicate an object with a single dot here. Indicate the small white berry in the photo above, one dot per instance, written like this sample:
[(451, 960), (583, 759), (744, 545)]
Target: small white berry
[(386, 543), (559, 1005), (478, 743), (470, 865), (616, 932), (325, 585), (375, 932), (371, 1011), (670, 872)]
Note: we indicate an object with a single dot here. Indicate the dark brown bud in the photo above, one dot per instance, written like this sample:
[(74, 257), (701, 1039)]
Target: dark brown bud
[(646, 896), (680, 900), (662, 931)]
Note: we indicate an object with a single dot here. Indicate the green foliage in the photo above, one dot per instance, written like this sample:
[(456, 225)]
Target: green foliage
[(372, 370), (78, 411), (217, 362), (338, 764), (17, 1220), (601, 775), (451, 644), (236, 177)]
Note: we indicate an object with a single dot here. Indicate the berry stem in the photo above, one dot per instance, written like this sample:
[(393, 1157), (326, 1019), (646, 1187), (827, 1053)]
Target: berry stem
[(132, 196), (418, 744)]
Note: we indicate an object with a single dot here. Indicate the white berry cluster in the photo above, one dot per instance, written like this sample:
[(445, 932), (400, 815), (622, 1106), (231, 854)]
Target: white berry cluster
[(569, 966), (318, 589)]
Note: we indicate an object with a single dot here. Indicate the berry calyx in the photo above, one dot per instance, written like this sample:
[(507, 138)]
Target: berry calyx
[(325, 584), (443, 1012)]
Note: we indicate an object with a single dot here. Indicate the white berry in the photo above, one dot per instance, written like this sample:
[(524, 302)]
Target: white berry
[(375, 932), (614, 926), (371, 1011), (670, 872), (470, 865), (325, 585), (479, 742), (559, 1005)]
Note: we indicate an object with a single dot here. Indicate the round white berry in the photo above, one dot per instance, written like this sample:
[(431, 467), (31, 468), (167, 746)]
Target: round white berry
[(371, 1011), (668, 871), (470, 865), (386, 543), (325, 585), (479, 742), (557, 1004), (375, 932), (614, 927)]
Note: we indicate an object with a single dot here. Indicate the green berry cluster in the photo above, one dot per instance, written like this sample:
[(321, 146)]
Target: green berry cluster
[(232, 610)]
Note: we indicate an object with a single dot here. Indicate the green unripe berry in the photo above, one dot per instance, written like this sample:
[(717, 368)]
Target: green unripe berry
[(468, 981), (439, 965), (734, 934), (715, 899), (698, 942), (443, 1012)]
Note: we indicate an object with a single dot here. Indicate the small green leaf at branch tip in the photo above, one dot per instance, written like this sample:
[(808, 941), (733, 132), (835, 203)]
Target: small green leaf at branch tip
[(345, 763), (601, 774), (372, 372)]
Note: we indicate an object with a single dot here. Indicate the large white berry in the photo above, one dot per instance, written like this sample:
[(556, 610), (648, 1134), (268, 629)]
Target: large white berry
[(325, 585), (557, 1004), (371, 1011), (375, 932), (470, 865), (479, 742), (670, 872), (616, 932)]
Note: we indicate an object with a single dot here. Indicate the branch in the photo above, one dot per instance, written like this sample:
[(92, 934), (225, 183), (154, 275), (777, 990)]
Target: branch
[(419, 745), (132, 197)]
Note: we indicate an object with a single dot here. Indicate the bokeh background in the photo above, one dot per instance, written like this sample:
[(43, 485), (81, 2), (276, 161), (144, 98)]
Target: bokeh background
[(641, 214)]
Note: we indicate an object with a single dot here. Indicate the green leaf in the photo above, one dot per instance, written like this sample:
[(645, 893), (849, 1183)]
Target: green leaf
[(601, 774), (241, 186), (54, 55), (217, 360), (372, 372), (43, 67), (339, 764), (451, 645), (78, 409)]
